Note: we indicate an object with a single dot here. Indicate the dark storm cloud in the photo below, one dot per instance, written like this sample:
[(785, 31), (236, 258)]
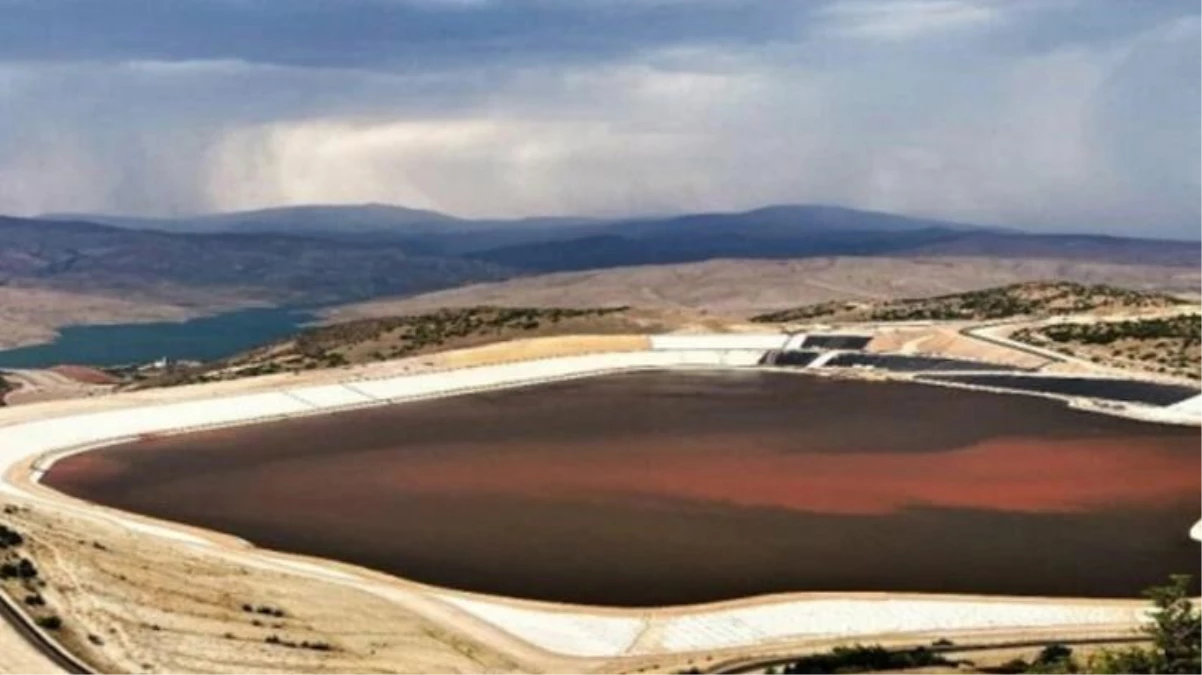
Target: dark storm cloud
[(377, 34), (1055, 114)]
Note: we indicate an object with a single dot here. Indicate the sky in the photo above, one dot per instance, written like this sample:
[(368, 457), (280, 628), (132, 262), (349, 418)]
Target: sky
[(1051, 115)]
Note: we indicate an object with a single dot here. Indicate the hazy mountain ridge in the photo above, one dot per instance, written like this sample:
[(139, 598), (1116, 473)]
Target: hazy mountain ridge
[(279, 268), (284, 219), (339, 254)]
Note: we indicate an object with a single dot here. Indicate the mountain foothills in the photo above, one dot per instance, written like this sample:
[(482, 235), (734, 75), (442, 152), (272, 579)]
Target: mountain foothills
[(333, 255), (274, 268), (369, 340), (1163, 326)]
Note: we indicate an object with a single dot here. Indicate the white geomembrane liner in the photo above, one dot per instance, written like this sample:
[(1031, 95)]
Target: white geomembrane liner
[(330, 396), (570, 633), (584, 634), (1192, 405), (836, 618), (795, 341)]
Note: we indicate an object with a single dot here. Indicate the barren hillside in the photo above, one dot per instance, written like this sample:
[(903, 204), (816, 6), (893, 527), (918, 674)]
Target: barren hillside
[(745, 287), (30, 315)]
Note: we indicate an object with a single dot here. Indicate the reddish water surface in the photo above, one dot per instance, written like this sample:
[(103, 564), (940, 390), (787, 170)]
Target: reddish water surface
[(685, 487)]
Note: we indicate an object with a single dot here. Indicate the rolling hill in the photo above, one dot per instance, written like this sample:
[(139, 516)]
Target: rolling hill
[(87, 257), (330, 255)]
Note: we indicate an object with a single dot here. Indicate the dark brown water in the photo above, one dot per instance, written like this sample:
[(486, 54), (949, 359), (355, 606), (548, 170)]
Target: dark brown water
[(684, 487)]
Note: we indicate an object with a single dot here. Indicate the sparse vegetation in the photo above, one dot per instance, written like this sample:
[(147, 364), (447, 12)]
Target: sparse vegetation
[(10, 537), (23, 568), (1175, 634), (1026, 299), (1171, 345), (865, 659), (303, 644), (368, 340)]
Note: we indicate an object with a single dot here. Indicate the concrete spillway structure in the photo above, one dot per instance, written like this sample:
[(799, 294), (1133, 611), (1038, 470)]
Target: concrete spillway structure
[(572, 631)]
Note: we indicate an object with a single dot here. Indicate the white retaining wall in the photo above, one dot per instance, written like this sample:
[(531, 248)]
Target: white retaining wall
[(33, 438), (795, 341), (822, 618), (331, 396), (577, 634), (1190, 406), (585, 633), (21, 441)]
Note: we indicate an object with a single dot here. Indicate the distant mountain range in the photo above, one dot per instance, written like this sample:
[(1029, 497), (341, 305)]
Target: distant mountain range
[(273, 268), (329, 254)]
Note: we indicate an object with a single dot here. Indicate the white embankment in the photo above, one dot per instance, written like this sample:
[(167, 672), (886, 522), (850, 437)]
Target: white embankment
[(573, 631), (1191, 410), (641, 632), (795, 341), (1190, 406)]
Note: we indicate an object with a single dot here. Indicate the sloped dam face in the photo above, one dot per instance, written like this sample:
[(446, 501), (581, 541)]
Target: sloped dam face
[(666, 488)]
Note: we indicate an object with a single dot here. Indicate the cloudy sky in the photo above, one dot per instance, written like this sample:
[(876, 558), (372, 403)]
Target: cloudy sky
[(1067, 115)]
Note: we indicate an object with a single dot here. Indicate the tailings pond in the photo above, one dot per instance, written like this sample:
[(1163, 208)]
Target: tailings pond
[(678, 487)]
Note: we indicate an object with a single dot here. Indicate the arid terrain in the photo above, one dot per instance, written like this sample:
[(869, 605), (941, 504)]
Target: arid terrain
[(109, 585), (31, 315), (1167, 344), (451, 331), (745, 287)]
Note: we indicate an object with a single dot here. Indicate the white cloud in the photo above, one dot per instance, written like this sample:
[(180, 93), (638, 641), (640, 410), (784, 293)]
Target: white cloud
[(906, 19)]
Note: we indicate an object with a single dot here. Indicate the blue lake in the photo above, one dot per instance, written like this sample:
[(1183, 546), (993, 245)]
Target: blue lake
[(202, 339)]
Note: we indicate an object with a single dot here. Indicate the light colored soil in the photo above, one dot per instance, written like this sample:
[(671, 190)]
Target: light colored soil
[(947, 341), (158, 607), (745, 287), (539, 348), (17, 656), (32, 315)]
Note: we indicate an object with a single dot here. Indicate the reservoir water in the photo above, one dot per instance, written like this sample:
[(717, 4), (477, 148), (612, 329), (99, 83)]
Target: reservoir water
[(201, 339)]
